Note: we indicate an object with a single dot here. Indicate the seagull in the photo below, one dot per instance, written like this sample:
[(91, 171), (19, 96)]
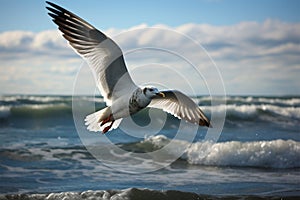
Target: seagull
[(121, 95)]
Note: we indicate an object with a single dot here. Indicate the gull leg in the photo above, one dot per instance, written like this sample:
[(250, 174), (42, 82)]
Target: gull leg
[(108, 127), (108, 119)]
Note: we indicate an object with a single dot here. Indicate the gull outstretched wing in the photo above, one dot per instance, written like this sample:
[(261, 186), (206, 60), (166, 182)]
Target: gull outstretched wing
[(181, 106), (103, 55)]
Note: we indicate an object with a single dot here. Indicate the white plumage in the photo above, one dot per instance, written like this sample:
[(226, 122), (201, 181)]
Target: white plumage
[(122, 96)]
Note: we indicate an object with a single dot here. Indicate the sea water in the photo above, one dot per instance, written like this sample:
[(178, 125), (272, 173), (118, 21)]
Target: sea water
[(43, 155)]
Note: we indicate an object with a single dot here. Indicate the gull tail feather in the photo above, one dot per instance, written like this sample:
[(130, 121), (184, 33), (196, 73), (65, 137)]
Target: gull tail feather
[(93, 121)]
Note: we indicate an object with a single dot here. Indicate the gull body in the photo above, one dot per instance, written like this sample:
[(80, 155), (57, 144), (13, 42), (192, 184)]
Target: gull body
[(122, 96)]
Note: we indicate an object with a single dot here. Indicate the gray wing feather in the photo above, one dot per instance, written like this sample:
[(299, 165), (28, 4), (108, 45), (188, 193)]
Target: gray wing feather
[(102, 54), (181, 106)]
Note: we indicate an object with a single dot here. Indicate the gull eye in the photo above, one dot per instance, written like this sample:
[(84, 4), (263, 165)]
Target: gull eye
[(151, 90)]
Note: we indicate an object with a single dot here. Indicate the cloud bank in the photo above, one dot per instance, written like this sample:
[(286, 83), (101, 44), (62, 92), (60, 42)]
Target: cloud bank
[(253, 58)]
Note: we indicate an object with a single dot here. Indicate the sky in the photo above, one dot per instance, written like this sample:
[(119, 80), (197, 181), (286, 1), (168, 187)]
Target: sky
[(240, 47)]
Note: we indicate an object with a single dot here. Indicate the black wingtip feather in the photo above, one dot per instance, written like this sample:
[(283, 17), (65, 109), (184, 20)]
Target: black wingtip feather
[(56, 6), (53, 16), (205, 122), (53, 11)]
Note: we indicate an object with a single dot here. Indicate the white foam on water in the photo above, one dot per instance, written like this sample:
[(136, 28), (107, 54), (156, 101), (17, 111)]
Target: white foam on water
[(269, 154), (44, 99), (244, 111), (292, 101), (263, 154), (126, 194)]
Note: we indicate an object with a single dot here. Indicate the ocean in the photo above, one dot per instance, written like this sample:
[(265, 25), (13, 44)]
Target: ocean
[(46, 152)]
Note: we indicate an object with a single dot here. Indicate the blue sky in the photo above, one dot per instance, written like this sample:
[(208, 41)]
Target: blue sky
[(31, 15), (255, 44)]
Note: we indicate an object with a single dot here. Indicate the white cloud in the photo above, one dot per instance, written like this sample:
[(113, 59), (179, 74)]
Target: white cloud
[(255, 58)]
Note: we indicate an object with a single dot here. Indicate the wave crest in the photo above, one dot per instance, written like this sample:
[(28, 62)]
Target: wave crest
[(263, 154), (267, 154)]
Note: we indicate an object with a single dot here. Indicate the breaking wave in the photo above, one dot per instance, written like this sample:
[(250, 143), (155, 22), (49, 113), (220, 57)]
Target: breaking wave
[(41, 106), (262, 154), (255, 111), (126, 194), (250, 108)]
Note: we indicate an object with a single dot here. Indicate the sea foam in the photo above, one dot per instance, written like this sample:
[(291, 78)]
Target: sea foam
[(126, 194), (267, 154), (262, 154)]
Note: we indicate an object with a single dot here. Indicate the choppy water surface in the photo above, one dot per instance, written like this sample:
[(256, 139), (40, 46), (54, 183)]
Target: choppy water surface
[(258, 152)]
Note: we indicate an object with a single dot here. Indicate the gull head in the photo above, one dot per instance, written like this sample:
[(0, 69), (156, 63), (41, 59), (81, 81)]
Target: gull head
[(152, 92)]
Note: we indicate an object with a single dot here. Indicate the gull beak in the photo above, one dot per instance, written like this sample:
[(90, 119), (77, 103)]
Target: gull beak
[(161, 94)]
